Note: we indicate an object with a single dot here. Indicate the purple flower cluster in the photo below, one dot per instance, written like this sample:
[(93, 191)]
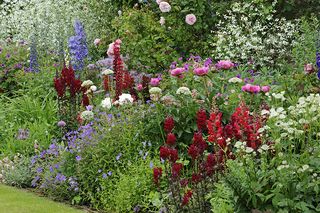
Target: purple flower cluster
[(318, 55), (34, 65), (78, 46)]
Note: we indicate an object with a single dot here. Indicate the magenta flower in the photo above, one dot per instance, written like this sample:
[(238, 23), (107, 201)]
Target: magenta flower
[(154, 82), (177, 71), (246, 88), (265, 89), (201, 71), (140, 87), (224, 64)]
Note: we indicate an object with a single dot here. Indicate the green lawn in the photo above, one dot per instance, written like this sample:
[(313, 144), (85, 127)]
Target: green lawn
[(13, 200)]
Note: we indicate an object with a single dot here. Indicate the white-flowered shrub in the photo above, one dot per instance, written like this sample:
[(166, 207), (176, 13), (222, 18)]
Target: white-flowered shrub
[(52, 20), (252, 32)]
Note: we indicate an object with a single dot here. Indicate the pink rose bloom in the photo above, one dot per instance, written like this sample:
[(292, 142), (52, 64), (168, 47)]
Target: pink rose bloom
[(191, 19), (164, 7), (97, 41), (154, 82), (201, 71), (265, 89), (177, 71), (308, 68), (139, 87), (246, 88), (224, 64), (110, 50)]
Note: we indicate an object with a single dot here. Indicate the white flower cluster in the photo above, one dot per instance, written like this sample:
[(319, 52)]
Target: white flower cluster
[(305, 114), (183, 91), (249, 31), (52, 20)]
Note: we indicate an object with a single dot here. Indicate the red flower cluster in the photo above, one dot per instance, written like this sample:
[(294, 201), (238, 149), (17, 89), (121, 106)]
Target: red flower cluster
[(198, 146), (168, 124), (176, 168), (128, 81), (171, 139), (216, 130), (67, 80), (201, 120), (244, 126), (118, 68), (157, 173), (169, 153), (186, 198)]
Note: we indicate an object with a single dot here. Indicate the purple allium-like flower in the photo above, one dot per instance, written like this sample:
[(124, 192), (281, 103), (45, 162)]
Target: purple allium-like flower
[(8, 56), (104, 175), (78, 158), (61, 124), (109, 173), (151, 165), (78, 46), (89, 107)]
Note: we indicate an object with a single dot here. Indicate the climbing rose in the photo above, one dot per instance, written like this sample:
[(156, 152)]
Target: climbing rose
[(191, 19)]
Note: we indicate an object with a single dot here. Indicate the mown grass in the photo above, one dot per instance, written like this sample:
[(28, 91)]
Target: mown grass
[(13, 200)]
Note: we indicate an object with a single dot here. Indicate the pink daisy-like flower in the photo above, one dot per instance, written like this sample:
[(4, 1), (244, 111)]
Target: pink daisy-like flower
[(191, 19)]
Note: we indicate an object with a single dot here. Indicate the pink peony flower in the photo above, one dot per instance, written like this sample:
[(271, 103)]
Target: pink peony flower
[(97, 41), (139, 87), (246, 88), (164, 7), (255, 89), (224, 64), (308, 68), (265, 89), (177, 71), (191, 19), (154, 82), (201, 71)]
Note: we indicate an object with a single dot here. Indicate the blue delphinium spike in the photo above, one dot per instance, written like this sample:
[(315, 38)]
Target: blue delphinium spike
[(34, 66), (318, 54), (78, 46)]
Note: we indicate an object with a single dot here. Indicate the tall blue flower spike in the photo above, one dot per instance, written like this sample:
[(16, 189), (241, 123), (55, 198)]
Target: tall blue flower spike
[(78, 47)]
